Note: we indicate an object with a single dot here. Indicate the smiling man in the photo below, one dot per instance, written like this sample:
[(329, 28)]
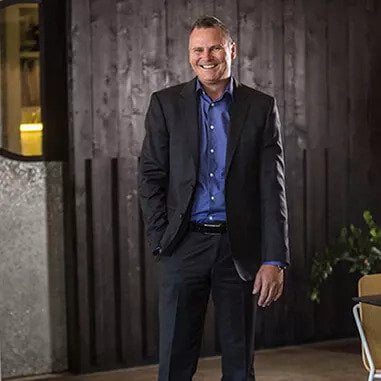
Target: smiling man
[(213, 198)]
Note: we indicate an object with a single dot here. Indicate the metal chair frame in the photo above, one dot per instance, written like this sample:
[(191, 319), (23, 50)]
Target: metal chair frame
[(373, 372)]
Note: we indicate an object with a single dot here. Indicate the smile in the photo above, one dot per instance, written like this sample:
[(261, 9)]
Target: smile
[(208, 66)]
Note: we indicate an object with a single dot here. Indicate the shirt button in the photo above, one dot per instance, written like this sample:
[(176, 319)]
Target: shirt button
[(212, 104), (212, 198), (211, 150), (210, 218), (211, 174), (212, 127)]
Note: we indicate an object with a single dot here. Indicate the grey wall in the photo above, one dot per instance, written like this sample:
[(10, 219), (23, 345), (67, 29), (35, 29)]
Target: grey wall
[(32, 312)]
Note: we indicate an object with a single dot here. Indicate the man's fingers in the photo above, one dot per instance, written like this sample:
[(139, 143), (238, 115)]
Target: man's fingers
[(279, 293), (263, 295), (271, 295), (274, 292), (257, 285)]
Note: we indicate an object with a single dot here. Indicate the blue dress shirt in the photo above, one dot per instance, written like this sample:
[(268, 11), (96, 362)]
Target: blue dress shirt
[(209, 200)]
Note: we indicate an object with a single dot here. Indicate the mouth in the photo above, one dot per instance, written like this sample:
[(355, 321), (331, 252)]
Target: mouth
[(208, 66)]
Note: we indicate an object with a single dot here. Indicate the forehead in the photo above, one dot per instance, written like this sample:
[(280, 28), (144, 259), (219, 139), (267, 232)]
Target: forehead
[(207, 37)]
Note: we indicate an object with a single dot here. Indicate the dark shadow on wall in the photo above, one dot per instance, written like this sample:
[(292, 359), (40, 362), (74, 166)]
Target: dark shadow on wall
[(56, 266)]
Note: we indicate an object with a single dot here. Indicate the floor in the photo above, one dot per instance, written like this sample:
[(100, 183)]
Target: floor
[(334, 361)]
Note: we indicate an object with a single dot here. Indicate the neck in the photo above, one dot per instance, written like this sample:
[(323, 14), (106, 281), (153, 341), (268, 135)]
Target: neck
[(215, 90)]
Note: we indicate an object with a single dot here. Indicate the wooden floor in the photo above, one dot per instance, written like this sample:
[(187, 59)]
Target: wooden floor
[(329, 361)]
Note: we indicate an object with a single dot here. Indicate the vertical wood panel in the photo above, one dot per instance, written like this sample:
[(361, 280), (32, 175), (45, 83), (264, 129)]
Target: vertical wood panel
[(126, 52), (295, 136), (131, 251), (154, 76), (80, 85), (178, 68), (358, 87), (337, 141), (297, 193), (104, 70), (374, 102), (246, 48), (198, 8), (130, 269), (103, 262), (80, 136), (316, 103), (337, 144)]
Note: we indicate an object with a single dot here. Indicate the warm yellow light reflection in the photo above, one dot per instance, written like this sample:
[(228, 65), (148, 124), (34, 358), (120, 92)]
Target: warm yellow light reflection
[(31, 127)]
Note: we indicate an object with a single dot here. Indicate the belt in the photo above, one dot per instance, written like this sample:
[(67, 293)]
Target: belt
[(217, 227)]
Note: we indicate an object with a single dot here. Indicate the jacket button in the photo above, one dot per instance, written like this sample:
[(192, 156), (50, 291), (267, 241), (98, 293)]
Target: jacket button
[(181, 215)]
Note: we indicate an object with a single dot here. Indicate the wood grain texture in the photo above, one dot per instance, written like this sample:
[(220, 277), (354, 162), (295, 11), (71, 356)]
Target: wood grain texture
[(374, 109), (358, 123), (178, 68), (295, 144), (320, 59), (81, 148), (153, 57), (80, 86), (104, 71), (130, 269), (337, 148), (103, 262), (317, 159)]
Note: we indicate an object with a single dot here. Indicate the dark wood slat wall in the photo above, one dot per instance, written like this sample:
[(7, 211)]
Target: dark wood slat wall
[(317, 126), (320, 59), (337, 145)]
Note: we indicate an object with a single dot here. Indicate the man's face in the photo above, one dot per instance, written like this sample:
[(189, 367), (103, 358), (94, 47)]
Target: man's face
[(211, 54)]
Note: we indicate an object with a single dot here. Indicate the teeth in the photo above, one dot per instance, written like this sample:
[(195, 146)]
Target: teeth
[(208, 66)]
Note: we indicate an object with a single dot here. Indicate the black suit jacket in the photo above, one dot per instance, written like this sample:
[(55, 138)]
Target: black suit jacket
[(254, 182)]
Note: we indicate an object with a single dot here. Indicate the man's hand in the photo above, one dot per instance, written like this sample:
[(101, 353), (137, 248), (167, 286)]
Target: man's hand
[(269, 284)]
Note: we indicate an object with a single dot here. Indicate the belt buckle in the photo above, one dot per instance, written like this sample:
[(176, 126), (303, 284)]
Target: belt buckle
[(211, 225)]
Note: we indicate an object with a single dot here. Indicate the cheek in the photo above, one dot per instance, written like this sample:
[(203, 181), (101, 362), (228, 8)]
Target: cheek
[(194, 61)]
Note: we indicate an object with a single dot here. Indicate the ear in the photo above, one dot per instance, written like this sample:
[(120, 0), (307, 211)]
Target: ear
[(233, 50)]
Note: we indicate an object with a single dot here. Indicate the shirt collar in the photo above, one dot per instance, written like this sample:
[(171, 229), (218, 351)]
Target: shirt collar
[(228, 89)]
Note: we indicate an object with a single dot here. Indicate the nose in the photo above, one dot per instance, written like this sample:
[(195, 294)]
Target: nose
[(206, 54)]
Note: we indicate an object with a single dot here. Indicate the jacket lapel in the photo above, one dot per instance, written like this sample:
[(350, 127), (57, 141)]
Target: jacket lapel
[(191, 121), (238, 116)]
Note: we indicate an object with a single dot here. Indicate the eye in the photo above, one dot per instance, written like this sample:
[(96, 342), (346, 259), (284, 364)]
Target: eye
[(217, 48), (197, 50)]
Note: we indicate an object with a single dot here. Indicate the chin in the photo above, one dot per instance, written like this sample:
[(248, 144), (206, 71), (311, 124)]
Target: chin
[(209, 79)]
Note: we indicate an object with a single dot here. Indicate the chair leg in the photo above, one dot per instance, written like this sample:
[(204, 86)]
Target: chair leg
[(364, 343)]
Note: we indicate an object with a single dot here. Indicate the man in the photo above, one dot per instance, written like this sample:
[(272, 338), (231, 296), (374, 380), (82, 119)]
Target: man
[(213, 199)]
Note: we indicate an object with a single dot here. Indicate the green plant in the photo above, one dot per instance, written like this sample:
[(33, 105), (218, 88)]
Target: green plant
[(360, 248)]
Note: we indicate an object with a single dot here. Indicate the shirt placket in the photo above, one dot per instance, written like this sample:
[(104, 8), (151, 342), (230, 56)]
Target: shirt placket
[(212, 164)]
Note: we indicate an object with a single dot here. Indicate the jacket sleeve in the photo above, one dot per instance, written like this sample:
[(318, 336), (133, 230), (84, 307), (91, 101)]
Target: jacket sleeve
[(153, 173), (274, 223)]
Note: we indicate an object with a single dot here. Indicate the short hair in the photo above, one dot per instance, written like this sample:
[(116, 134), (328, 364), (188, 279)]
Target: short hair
[(211, 22)]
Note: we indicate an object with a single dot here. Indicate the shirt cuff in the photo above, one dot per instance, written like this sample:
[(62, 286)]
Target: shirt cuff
[(276, 263)]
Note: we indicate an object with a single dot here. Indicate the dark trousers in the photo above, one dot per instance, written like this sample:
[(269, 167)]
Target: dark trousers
[(202, 264)]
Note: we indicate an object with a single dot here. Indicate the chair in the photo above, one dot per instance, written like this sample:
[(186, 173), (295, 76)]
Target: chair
[(368, 321)]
